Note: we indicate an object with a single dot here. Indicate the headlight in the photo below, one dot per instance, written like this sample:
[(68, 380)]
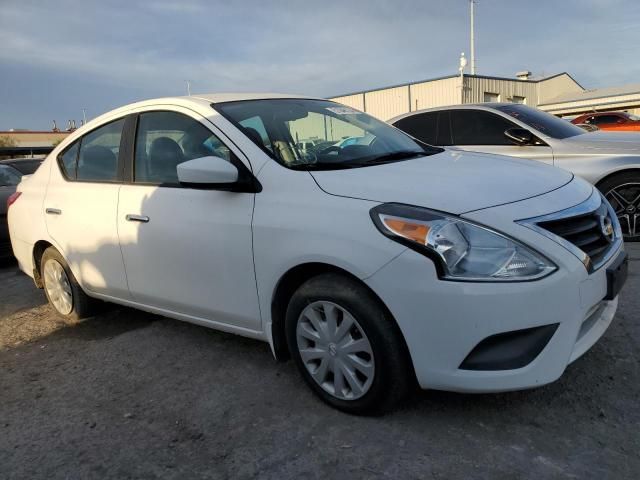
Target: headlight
[(463, 250)]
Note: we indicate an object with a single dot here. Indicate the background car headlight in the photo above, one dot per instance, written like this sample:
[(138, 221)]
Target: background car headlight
[(465, 251)]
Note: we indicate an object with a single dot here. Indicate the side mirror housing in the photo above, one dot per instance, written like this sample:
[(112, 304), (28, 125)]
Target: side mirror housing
[(207, 172), (519, 136)]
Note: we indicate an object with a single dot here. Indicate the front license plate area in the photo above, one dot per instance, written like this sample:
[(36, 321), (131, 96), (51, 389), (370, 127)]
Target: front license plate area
[(617, 275)]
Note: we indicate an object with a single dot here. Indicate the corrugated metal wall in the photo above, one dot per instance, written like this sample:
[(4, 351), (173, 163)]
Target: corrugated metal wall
[(436, 93), (387, 103), (354, 101), (507, 89)]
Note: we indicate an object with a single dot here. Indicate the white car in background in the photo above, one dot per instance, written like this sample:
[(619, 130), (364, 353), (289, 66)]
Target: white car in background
[(609, 160), (375, 265)]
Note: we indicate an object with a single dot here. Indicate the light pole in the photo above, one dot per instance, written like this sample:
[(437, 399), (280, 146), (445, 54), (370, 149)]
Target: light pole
[(472, 39)]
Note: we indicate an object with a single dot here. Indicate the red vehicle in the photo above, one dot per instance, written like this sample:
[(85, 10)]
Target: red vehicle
[(620, 121)]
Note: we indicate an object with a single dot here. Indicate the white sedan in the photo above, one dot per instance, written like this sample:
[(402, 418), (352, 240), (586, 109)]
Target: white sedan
[(374, 266)]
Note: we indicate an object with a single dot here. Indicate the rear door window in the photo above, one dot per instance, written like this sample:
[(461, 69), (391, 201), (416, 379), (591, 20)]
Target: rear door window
[(98, 158), (423, 126), (478, 127), (606, 119)]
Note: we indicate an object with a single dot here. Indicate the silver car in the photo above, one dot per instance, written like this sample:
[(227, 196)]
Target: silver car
[(609, 160)]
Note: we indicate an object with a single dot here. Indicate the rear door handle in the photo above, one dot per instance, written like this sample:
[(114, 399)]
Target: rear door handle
[(53, 211), (137, 218)]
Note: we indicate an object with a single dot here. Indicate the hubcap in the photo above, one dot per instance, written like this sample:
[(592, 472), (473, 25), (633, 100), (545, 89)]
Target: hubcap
[(625, 199), (335, 350), (58, 288)]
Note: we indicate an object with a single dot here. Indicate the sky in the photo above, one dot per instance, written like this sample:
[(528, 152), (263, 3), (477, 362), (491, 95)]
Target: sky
[(59, 57)]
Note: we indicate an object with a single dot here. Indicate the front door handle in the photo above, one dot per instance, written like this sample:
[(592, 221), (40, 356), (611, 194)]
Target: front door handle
[(53, 211), (137, 218)]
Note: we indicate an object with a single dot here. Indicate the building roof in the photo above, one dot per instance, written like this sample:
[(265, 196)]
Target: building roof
[(489, 77), (597, 93)]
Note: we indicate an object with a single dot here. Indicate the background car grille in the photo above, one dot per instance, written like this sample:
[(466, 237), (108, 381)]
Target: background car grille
[(585, 232)]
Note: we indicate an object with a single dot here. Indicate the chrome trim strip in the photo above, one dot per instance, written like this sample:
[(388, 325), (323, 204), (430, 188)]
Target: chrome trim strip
[(591, 205)]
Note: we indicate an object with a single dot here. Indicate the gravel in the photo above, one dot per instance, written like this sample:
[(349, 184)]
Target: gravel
[(132, 395)]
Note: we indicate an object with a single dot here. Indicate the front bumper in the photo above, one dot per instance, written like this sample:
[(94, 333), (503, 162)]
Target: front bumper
[(442, 321)]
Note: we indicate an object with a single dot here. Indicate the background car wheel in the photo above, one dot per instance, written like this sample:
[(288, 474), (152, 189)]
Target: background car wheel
[(346, 346), (63, 291), (623, 192)]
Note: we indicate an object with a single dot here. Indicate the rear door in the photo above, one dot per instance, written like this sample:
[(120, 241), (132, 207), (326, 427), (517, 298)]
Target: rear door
[(81, 205), (187, 251), (483, 131)]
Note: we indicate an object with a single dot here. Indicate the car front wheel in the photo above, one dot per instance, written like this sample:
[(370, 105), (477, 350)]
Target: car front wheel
[(623, 192), (346, 346)]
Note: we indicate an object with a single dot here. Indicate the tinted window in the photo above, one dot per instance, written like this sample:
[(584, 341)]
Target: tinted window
[(26, 167), (98, 159), (9, 176), (68, 161), (165, 140), (542, 121), (423, 126), (477, 127), (604, 119), (445, 136)]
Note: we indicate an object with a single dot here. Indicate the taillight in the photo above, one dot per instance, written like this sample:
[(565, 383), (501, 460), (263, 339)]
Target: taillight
[(12, 199)]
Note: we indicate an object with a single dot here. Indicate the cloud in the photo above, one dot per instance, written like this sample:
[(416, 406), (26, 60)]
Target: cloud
[(106, 53)]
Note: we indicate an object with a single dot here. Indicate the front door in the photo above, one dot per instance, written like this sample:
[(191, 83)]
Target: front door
[(482, 131), (187, 251)]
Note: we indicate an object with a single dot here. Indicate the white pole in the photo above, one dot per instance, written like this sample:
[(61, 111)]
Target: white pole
[(84, 117), (473, 47), (188, 87)]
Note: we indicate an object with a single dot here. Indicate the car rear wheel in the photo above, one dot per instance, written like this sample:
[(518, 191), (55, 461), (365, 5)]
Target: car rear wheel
[(63, 291), (346, 346), (623, 192)]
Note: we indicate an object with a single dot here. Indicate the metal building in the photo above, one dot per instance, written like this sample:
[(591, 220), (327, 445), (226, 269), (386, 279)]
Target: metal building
[(388, 102)]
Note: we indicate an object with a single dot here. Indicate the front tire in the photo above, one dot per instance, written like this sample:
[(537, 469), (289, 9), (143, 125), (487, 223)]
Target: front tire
[(346, 346), (62, 289), (623, 193)]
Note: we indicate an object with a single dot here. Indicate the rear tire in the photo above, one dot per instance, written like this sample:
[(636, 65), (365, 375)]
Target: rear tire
[(355, 358), (623, 192), (62, 289)]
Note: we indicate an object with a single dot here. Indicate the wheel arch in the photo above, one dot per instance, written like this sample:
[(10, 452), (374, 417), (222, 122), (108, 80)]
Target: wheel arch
[(609, 176), (289, 283), (38, 250)]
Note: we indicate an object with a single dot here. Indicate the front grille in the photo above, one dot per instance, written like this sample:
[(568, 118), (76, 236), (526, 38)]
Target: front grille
[(585, 232), (589, 230)]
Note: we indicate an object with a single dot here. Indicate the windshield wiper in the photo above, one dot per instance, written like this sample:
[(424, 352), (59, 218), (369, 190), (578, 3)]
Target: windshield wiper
[(391, 157)]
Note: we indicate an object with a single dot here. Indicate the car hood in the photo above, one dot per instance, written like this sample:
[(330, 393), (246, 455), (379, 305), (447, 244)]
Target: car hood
[(602, 142), (451, 181)]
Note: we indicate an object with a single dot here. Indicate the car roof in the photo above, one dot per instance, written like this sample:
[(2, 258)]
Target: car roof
[(200, 100)]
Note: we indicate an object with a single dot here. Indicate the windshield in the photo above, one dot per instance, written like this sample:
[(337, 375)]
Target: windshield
[(319, 134), (9, 176), (542, 121), (633, 117)]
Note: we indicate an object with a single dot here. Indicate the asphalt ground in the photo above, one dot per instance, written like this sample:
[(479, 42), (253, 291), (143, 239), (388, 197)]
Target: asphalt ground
[(132, 395)]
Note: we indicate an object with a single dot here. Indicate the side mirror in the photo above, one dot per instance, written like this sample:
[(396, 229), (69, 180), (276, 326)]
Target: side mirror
[(207, 172), (519, 136)]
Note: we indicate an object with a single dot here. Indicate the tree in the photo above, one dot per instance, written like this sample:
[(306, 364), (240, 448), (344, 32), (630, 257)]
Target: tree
[(6, 141)]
